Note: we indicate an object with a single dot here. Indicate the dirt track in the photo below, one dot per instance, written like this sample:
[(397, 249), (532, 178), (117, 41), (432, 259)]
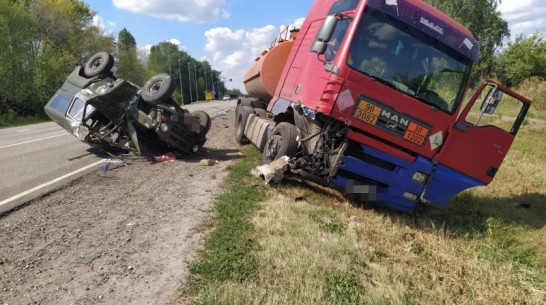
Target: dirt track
[(122, 236)]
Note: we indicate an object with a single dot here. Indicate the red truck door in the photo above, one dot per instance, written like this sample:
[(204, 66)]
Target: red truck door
[(477, 144)]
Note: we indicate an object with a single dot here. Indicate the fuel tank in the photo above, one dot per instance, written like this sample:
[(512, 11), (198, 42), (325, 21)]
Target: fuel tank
[(262, 78)]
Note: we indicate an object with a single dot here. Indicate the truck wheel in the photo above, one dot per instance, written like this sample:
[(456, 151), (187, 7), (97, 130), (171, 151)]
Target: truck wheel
[(100, 63), (158, 88), (240, 123), (281, 142), (204, 120)]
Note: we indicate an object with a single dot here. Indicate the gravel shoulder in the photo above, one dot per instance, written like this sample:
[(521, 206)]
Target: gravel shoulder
[(122, 236)]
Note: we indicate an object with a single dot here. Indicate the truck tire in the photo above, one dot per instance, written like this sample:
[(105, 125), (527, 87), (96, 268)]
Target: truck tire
[(158, 88), (281, 142), (204, 120), (240, 123), (100, 63)]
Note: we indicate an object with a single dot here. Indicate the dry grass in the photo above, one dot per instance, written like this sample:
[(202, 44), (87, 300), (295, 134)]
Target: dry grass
[(534, 89)]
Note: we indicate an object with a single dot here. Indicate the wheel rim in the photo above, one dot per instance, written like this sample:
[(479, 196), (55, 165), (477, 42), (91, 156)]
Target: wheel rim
[(272, 147), (156, 87), (97, 63)]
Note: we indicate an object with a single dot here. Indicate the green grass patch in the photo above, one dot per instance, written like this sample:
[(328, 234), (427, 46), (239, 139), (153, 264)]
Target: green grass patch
[(228, 255), (10, 119)]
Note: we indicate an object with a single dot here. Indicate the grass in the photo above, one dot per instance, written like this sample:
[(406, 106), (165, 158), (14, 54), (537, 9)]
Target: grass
[(10, 119), (301, 243)]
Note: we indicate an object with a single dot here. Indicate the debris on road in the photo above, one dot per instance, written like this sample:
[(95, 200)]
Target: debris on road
[(273, 171), (168, 157), (222, 126), (208, 162)]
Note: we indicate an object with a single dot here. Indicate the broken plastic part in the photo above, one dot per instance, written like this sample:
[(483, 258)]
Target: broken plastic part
[(273, 172)]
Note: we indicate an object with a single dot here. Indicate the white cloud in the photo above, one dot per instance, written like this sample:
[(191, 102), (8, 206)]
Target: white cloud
[(234, 51), (223, 39), (105, 26), (178, 43), (200, 11), (225, 14), (98, 22), (524, 16)]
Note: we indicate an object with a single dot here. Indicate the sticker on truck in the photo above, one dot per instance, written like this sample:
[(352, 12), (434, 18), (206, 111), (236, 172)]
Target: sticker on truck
[(385, 118)]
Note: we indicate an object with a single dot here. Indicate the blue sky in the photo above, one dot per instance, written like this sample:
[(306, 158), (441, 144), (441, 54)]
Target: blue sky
[(229, 34)]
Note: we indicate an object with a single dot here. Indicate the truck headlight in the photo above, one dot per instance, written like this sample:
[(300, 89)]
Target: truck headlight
[(419, 177), (164, 127)]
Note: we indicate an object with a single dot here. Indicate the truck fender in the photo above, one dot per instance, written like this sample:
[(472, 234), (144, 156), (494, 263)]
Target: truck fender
[(257, 130)]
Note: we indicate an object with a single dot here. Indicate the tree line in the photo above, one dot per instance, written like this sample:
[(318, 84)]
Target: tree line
[(42, 40)]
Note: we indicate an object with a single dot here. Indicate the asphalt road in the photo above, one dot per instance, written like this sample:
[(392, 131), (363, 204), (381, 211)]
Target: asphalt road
[(36, 159)]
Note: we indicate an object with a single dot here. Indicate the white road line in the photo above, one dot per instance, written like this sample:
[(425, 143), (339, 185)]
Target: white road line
[(11, 145), (23, 130), (6, 201)]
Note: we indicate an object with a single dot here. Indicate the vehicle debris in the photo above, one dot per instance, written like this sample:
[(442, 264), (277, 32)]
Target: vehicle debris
[(168, 157), (272, 172), (116, 115), (208, 162)]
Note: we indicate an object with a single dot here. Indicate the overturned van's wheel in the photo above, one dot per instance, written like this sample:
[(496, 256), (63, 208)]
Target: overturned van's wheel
[(204, 120), (100, 63), (281, 142), (240, 123), (157, 89)]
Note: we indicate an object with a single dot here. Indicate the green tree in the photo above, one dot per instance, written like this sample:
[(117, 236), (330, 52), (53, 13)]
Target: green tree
[(41, 41), (484, 20), (126, 39), (522, 59), (128, 65)]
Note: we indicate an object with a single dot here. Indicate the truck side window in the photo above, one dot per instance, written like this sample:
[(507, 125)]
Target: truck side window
[(342, 6), (60, 103), (504, 117), (337, 39)]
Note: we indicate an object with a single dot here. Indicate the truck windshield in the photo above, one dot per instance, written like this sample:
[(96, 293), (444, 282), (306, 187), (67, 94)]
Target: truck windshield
[(402, 57)]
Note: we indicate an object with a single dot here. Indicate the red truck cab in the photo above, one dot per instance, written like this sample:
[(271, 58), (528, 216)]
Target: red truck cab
[(375, 89)]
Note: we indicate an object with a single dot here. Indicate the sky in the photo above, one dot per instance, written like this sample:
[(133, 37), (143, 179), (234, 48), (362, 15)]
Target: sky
[(229, 34)]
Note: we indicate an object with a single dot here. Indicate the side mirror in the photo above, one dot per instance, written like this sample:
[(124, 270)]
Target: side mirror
[(491, 101), (324, 35)]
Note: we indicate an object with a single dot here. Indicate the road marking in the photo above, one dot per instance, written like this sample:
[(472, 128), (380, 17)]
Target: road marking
[(31, 141), (23, 130), (6, 201)]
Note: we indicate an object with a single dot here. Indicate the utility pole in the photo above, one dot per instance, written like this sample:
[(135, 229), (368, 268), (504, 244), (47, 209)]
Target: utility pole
[(206, 87), (180, 73), (196, 90), (212, 83), (169, 56), (189, 79)]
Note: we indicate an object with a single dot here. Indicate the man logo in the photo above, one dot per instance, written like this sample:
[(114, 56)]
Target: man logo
[(395, 118)]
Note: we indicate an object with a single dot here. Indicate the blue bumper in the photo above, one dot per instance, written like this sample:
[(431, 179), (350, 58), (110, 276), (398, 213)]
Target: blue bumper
[(372, 175)]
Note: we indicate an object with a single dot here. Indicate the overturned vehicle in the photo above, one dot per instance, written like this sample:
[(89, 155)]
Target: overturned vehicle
[(116, 115)]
